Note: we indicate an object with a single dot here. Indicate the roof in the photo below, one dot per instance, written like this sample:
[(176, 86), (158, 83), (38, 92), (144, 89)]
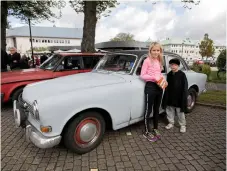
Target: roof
[(186, 41), (52, 32)]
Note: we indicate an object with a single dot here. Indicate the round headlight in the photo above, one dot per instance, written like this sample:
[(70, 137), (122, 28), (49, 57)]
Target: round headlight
[(35, 110)]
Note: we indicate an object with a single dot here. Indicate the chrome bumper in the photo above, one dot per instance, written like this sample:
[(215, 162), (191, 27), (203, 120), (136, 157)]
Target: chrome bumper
[(39, 140), (32, 134)]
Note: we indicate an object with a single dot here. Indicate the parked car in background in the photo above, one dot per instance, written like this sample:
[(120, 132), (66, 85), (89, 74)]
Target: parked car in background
[(61, 64), (77, 109)]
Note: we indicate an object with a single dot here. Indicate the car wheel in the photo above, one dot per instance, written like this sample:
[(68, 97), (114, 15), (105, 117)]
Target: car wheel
[(191, 100), (17, 94), (85, 132)]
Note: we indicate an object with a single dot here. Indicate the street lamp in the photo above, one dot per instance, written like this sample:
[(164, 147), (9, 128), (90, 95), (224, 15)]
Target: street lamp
[(29, 23), (182, 50)]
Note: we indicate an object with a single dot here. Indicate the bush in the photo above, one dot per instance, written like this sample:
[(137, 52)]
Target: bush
[(206, 70), (196, 67), (221, 61)]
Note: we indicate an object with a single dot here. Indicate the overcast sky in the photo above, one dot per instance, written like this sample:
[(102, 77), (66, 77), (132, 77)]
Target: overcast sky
[(145, 20)]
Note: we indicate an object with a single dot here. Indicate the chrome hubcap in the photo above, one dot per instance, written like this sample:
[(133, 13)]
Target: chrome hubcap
[(88, 132), (190, 101)]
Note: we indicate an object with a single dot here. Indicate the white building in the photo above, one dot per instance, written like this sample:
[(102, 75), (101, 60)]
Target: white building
[(188, 49), (19, 37)]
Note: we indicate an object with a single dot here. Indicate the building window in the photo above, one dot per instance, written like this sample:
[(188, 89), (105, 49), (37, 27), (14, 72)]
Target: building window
[(48, 41), (36, 40), (43, 41), (51, 41), (68, 41)]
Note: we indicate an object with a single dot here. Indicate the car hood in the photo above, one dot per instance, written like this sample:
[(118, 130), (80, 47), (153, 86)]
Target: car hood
[(72, 83), (25, 75)]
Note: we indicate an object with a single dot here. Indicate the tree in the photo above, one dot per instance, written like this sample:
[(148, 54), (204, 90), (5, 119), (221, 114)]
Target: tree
[(206, 47), (123, 37), (221, 61), (92, 10), (35, 10)]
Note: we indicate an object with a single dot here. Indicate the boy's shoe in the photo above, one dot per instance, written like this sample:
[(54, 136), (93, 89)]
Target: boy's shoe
[(183, 129), (169, 126), (149, 136)]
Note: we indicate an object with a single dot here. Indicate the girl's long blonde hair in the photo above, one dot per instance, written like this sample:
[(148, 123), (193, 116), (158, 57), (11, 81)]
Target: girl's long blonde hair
[(160, 57)]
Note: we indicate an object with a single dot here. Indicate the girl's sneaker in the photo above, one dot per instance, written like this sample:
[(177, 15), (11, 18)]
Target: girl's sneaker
[(149, 136), (157, 134)]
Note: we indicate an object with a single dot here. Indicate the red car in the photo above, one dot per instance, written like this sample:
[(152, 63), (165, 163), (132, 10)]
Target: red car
[(58, 65)]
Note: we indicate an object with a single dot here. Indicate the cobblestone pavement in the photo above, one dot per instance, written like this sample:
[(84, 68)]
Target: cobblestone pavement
[(203, 147)]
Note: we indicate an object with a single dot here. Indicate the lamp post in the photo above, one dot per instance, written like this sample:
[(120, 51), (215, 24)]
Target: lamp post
[(29, 23), (182, 50)]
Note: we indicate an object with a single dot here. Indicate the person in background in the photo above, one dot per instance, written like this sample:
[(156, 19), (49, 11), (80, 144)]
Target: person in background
[(24, 62), (15, 58), (43, 58), (4, 60)]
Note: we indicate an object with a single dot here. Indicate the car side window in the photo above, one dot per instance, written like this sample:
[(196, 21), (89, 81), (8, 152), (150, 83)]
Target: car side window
[(72, 63), (89, 62), (138, 71), (181, 67)]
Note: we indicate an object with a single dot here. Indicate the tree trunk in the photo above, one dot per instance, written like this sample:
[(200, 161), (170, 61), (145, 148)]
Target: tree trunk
[(90, 20), (4, 12)]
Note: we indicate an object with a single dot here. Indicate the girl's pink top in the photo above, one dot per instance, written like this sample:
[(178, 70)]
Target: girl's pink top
[(151, 70)]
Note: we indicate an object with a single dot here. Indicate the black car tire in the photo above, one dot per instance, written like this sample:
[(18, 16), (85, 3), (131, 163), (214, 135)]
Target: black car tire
[(72, 134)]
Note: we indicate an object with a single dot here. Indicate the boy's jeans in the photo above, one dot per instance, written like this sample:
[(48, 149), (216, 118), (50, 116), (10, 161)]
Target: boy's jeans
[(171, 111)]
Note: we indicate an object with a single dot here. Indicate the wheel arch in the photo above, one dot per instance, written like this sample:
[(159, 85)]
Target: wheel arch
[(106, 116), (195, 87), (15, 89)]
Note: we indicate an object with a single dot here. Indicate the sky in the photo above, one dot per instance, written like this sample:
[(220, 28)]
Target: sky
[(153, 20)]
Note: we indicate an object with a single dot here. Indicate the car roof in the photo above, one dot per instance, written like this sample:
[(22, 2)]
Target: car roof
[(80, 54), (141, 52)]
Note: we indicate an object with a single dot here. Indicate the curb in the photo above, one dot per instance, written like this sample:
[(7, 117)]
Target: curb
[(211, 105)]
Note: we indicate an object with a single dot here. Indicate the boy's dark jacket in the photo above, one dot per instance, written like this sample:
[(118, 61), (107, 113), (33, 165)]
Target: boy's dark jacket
[(177, 91)]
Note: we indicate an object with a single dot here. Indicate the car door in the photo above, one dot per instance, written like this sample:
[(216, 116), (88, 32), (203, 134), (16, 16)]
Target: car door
[(68, 66), (137, 87)]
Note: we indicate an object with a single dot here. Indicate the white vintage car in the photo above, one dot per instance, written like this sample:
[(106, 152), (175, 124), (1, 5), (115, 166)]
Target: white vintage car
[(77, 109)]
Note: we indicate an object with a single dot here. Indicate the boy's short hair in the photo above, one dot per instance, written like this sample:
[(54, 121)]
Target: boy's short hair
[(175, 61)]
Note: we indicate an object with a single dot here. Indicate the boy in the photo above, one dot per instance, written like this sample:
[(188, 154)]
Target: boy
[(175, 96)]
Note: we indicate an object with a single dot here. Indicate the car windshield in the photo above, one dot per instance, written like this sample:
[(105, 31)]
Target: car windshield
[(51, 63), (121, 63)]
